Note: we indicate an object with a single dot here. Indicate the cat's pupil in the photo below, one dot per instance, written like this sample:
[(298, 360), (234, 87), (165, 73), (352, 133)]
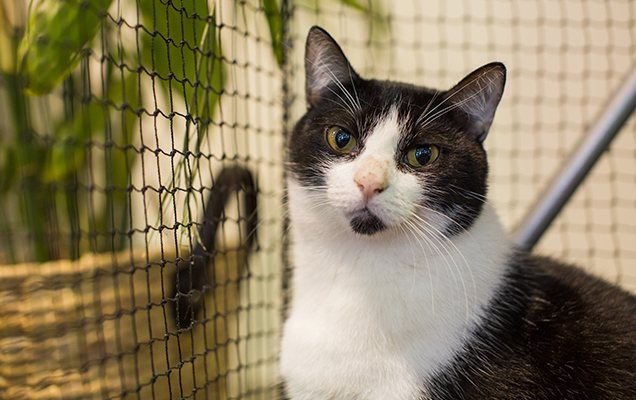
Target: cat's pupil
[(423, 155), (342, 139)]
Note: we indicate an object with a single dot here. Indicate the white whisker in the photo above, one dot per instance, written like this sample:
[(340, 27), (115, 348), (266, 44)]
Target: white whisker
[(441, 240), (352, 104), (425, 119)]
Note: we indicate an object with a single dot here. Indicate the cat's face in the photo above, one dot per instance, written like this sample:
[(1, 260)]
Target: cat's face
[(382, 156)]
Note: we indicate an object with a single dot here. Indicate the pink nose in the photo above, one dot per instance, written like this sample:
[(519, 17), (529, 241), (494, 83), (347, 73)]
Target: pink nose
[(370, 188), (371, 178)]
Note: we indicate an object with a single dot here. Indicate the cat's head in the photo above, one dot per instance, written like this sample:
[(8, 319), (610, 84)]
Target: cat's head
[(381, 155)]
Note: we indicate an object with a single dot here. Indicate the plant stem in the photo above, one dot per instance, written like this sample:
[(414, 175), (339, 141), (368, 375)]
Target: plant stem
[(28, 166)]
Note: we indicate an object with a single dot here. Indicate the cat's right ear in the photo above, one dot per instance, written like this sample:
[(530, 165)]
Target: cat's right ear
[(326, 66), (478, 95)]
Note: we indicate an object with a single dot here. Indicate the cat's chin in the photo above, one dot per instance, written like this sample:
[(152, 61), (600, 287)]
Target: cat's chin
[(365, 222)]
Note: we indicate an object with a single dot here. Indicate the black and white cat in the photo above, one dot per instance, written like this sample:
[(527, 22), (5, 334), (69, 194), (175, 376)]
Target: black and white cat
[(406, 285)]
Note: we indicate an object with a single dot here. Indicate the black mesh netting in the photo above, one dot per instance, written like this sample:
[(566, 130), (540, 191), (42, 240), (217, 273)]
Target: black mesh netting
[(138, 141), (142, 145)]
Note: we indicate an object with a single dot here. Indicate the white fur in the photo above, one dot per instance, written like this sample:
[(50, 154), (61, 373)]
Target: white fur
[(373, 317)]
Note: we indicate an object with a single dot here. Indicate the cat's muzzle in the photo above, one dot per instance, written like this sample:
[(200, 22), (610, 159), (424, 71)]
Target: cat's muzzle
[(366, 223)]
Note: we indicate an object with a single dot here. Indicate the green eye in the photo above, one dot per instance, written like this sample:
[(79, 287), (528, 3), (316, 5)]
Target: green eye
[(421, 156), (341, 140)]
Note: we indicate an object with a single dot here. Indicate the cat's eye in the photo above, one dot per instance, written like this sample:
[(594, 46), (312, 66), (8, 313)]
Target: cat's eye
[(341, 140), (421, 155)]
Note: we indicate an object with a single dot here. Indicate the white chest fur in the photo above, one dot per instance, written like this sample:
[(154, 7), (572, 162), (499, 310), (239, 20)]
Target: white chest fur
[(373, 317)]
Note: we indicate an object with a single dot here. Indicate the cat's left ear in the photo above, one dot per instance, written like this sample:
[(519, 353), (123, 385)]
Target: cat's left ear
[(327, 68), (478, 95)]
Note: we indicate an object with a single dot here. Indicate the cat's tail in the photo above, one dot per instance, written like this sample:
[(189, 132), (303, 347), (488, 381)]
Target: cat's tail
[(191, 280)]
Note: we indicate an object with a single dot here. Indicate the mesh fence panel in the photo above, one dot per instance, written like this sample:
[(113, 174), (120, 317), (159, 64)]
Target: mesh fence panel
[(119, 118)]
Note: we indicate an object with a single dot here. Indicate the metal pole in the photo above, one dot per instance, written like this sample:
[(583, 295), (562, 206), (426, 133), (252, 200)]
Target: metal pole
[(578, 164)]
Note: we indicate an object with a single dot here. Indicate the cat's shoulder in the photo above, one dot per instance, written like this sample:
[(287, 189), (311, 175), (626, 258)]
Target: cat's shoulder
[(553, 332), (555, 279), (562, 302)]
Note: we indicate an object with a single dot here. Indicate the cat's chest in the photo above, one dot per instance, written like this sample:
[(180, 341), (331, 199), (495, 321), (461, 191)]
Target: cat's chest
[(323, 360), (375, 319), (356, 331), (343, 346)]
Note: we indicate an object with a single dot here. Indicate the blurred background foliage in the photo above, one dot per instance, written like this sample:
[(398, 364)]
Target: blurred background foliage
[(74, 93)]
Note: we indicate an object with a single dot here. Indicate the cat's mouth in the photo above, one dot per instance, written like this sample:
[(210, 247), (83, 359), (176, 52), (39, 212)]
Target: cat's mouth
[(366, 223)]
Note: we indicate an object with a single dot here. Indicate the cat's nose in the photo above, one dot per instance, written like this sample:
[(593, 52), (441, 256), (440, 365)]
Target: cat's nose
[(370, 189), (372, 178)]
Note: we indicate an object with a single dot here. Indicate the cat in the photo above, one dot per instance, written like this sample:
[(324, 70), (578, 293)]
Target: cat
[(405, 284)]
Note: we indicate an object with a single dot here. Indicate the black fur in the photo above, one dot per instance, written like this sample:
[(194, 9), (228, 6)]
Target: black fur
[(553, 332), (366, 223)]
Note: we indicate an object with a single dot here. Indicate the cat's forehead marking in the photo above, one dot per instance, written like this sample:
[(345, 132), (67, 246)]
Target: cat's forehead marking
[(385, 135)]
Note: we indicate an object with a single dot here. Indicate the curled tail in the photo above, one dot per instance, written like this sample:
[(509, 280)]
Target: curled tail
[(192, 280)]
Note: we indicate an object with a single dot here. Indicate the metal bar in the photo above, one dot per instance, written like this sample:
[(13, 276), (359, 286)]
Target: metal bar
[(578, 164)]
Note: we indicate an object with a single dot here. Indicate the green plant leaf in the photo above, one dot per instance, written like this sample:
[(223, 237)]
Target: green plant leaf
[(186, 58), (67, 153), (210, 81), (56, 35), (171, 49), (8, 41), (275, 23), (185, 53), (8, 166), (122, 156), (356, 5)]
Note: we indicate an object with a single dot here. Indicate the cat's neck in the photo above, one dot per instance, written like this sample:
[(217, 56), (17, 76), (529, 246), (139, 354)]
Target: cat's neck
[(326, 248), (423, 294)]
